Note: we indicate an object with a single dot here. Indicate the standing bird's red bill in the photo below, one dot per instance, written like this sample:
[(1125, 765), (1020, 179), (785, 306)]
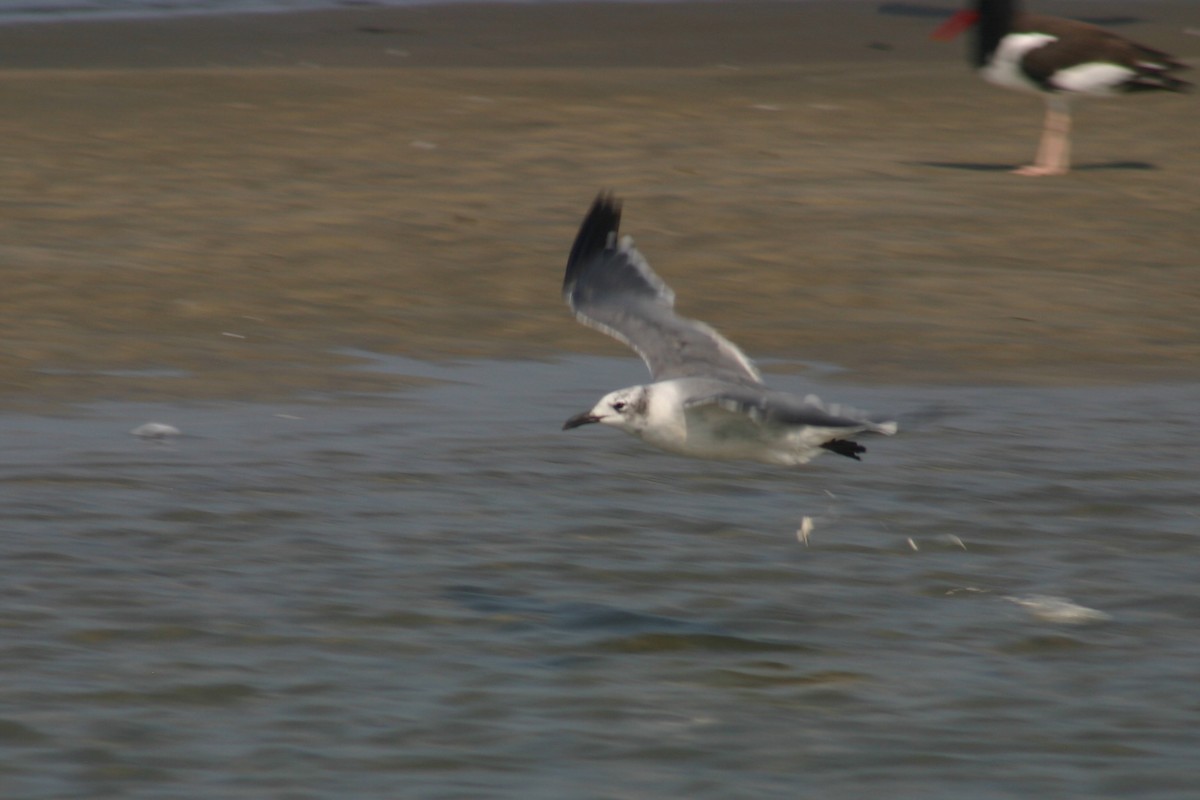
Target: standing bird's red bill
[(959, 22)]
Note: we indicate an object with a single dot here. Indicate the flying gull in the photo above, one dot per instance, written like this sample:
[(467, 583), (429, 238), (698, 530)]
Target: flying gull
[(707, 399)]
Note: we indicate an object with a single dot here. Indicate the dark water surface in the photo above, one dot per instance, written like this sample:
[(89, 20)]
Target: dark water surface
[(440, 595)]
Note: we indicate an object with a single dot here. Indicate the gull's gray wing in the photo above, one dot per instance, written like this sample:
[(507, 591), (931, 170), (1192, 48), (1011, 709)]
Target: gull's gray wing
[(610, 287), (770, 408)]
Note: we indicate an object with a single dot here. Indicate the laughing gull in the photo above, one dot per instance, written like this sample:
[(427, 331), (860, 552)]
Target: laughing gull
[(707, 399)]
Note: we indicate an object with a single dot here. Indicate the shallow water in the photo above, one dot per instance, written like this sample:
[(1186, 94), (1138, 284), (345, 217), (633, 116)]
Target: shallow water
[(438, 594)]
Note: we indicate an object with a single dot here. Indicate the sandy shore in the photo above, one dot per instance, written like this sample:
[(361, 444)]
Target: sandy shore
[(213, 207)]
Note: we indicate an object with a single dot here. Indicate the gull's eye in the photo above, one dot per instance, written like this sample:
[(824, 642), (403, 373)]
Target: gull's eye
[(618, 406)]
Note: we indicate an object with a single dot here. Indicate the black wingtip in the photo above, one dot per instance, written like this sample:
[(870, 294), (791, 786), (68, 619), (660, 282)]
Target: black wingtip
[(845, 447), (602, 221)]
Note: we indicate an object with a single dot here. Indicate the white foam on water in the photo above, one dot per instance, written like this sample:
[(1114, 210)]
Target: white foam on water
[(1058, 609)]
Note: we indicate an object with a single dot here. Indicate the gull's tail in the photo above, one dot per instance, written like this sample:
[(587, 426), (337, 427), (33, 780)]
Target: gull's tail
[(845, 447)]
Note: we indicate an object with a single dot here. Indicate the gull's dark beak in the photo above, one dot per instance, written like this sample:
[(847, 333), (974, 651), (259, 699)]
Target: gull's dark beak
[(580, 419)]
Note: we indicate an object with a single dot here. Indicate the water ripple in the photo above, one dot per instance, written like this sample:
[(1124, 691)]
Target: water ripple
[(351, 598)]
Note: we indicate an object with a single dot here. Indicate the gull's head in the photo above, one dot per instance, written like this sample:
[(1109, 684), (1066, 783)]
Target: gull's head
[(624, 409)]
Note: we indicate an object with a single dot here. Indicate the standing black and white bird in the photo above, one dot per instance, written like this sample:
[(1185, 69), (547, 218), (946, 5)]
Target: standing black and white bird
[(1061, 59)]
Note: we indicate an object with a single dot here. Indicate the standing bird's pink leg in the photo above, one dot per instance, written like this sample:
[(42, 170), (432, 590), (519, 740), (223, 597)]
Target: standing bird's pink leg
[(1054, 150)]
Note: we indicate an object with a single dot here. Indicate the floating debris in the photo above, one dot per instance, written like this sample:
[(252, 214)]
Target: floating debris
[(950, 537), (967, 590), (912, 544), (155, 430), (806, 526)]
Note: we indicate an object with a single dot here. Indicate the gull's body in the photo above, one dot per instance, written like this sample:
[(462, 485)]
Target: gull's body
[(707, 399)]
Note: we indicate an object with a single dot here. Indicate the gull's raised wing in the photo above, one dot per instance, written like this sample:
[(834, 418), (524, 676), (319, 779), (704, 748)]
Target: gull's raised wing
[(610, 287)]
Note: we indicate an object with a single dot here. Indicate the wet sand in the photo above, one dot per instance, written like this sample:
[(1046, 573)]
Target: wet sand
[(218, 207)]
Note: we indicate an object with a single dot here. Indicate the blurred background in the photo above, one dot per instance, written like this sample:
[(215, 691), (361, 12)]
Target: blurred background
[(325, 245)]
